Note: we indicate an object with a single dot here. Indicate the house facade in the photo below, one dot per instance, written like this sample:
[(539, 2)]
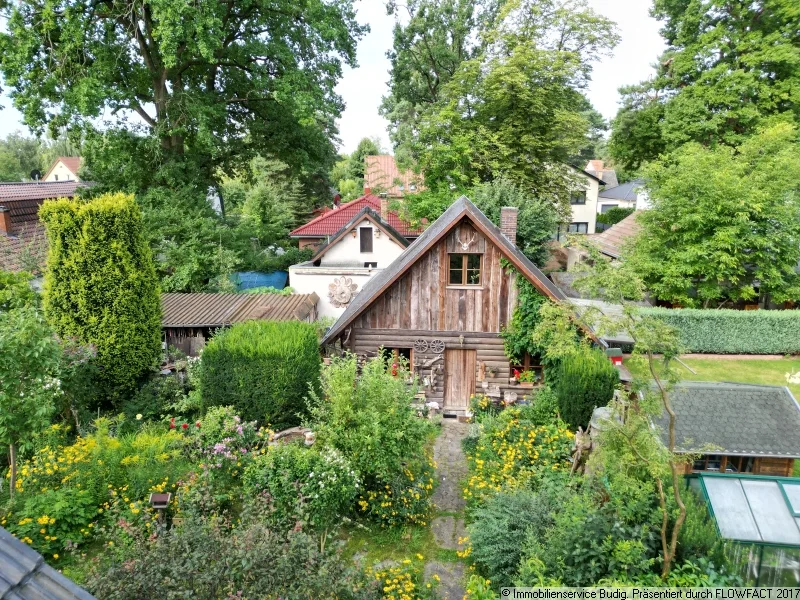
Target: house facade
[(64, 168), (442, 305), (342, 266), (382, 175), (583, 203), (628, 195)]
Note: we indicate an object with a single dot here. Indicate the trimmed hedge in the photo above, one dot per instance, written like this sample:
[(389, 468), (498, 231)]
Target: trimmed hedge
[(725, 331), (583, 382), (263, 369)]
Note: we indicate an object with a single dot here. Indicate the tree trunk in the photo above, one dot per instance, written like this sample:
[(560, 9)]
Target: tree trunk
[(12, 460)]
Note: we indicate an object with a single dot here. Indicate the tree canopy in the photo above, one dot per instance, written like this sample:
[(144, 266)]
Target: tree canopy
[(728, 69), (724, 224)]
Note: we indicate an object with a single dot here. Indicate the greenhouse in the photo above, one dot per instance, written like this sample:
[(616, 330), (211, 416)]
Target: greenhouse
[(760, 516)]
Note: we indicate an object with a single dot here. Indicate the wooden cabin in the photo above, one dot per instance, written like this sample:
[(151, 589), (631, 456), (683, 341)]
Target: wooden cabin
[(443, 303), (735, 427)]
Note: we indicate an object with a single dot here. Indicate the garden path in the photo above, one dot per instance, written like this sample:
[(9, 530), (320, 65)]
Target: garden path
[(448, 525)]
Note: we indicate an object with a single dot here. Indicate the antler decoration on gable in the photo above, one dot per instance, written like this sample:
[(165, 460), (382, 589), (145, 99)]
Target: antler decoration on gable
[(465, 244)]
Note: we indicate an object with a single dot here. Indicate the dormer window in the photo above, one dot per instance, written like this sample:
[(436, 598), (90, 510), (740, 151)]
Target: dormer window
[(365, 238)]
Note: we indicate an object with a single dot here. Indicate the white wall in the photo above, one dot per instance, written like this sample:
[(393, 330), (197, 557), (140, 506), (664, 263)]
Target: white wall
[(587, 213), (305, 278), (63, 173), (601, 202), (347, 251), (642, 199)]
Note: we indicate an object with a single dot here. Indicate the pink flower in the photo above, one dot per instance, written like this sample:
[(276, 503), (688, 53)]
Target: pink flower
[(197, 424), (185, 426), (172, 423)]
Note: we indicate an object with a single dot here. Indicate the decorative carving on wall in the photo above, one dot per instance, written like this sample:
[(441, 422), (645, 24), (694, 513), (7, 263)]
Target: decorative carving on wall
[(437, 346), (341, 291), (420, 346)]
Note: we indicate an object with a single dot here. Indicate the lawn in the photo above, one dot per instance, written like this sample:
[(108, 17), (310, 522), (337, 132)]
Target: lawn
[(741, 370)]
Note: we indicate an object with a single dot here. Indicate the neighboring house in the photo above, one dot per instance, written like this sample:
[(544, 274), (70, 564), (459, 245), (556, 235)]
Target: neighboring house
[(735, 428), (64, 168), (322, 228), (443, 303), (23, 244), (610, 242), (627, 195), (599, 170), (381, 175), (24, 575), (353, 255), (188, 320), (584, 207)]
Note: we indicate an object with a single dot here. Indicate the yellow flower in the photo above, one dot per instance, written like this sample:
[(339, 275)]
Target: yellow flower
[(55, 556)]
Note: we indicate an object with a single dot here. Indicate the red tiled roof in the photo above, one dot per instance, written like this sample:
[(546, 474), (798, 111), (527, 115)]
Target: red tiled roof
[(381, 173), (333, 220), (25, 249), (73, 163), (610, 241), (41, 190)]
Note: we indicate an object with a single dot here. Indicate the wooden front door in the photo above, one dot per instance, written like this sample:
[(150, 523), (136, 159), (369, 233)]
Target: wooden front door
[(459, 378)]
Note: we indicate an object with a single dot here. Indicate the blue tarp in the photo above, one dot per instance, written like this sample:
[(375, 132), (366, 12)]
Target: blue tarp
[(246, 280)]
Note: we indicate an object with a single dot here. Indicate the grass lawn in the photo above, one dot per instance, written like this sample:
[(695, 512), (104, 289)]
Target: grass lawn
[(745, 370), (378, 544)]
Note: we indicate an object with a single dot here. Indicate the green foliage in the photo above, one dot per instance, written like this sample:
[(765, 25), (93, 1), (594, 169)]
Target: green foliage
[(154, 399), (19, 156), (725, 73), (724, 224), (16, 291), (348, 173), (614, 215), (318, 488), (583, 382), (543, 407), (725, 331), (202, 79), (369, 419), (264, 369), (208, 557), (517, 335), (100, 286)]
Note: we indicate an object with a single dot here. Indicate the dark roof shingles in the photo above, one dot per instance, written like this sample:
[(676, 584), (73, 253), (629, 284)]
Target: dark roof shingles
[(743, 419)]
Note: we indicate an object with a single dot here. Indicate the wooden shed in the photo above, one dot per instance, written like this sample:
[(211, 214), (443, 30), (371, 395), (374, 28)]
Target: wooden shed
[(188, 320), (443, 303)]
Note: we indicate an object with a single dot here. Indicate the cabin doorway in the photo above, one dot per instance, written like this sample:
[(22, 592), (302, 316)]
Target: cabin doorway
[(459, 378)]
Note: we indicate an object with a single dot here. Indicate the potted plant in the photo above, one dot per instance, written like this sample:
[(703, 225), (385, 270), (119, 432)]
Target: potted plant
[(515, 373), (491, 372), (527, 379)]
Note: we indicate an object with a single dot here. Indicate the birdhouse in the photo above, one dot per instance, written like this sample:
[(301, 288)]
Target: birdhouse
[(614, 355)]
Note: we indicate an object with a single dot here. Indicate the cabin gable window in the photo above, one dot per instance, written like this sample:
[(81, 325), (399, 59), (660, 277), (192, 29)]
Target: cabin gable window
[(365, 237), (465, 269)]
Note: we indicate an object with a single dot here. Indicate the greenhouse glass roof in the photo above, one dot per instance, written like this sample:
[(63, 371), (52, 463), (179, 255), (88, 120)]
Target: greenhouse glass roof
[(755, 509)]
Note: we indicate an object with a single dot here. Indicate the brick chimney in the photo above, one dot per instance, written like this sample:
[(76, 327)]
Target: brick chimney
[(384, 208), (5, 220), (367, 191), (508, 223)]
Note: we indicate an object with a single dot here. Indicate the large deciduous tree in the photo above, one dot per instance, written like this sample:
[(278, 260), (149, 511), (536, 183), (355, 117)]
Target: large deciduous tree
[(728, 67), (100, 286), (724, 224), (213, 80)]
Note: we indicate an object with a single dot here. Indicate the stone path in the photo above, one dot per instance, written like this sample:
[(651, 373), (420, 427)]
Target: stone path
[(448, 527)]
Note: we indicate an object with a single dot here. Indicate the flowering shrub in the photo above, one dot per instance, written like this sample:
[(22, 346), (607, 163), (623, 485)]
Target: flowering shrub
[(405, 580), (479, 588), (481, 406), (316, 487), (404, 499), (511, 452)]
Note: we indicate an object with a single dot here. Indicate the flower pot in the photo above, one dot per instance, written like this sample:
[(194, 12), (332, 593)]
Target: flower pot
[(528, 385)]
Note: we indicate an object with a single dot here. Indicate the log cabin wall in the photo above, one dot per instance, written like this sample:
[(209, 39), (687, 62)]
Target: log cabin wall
[(422, 306)]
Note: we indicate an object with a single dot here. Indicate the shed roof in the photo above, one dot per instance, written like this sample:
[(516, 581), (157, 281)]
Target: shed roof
[(381, 173), (753, 508), (331, 222), (734, 419), (37, 190), (25, 249), (460, 208), (217, 310), (610, 241), (25, 576)]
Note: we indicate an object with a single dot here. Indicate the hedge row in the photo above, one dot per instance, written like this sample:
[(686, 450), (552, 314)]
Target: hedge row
[(263, 369), (727, 331)]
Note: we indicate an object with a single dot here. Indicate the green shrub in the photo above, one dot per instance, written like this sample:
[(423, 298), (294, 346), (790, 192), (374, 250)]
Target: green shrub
[(318, 488), (263, 369), (154, 398), (543, 407), (614, 215), (582, 382), (724, 331), (100, 286)]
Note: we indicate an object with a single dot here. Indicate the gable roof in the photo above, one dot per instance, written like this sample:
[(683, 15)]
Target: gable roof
[(218, 310), (364, 213), (626, 191), (611, 241), (587, 173), (451, 217), (331, 222), (73, 163), (381, 173), (25, 576), (735, 418)]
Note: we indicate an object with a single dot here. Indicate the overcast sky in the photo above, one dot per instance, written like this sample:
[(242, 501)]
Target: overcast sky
[(362, 88)]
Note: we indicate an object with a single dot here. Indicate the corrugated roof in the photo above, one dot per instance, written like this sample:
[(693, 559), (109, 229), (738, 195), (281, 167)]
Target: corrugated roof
[(626, 191), (25, 576), (610, 241), (332, 221), (381, 173), (218, 310), (735, 419), (33, 190), (460, 208)]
